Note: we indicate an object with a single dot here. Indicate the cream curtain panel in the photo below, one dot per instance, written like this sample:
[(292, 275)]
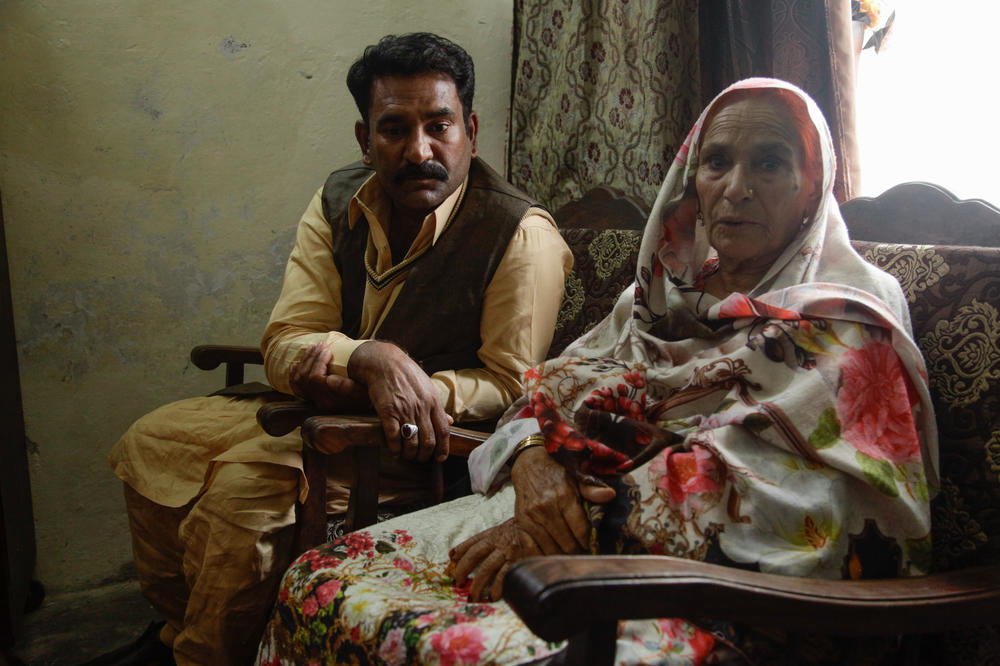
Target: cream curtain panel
[(604, 90)]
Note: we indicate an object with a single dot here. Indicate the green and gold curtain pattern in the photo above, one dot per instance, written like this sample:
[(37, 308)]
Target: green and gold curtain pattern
[(605, 90)]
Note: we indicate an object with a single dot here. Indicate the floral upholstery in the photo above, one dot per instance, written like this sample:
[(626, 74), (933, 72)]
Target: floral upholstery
[(604, 264)]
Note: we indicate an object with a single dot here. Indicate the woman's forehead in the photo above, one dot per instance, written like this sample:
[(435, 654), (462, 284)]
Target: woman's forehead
[(753, 121)]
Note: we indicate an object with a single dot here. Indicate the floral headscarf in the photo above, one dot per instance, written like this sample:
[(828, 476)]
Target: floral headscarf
[(818, 275), (675, 246)]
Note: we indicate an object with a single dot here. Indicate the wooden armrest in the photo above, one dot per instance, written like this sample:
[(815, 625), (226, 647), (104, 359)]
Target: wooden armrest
[(323, 435), (280, 418), (333, 434), (209, 357), (547, 592)]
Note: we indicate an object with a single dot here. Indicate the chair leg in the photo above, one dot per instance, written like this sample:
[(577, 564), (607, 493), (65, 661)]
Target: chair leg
[(362, 507), (793, 648), (595, 645), (910, 649), (311, 516)]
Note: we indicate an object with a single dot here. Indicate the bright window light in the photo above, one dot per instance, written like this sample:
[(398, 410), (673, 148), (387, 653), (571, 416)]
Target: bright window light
[(927, 103)]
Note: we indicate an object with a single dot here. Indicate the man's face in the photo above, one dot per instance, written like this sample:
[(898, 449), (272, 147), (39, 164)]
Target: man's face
[(417, 140)]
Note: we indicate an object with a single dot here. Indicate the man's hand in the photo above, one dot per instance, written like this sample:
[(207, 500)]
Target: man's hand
[(548, 507), (486, 558), (310, 379), (401, 392)]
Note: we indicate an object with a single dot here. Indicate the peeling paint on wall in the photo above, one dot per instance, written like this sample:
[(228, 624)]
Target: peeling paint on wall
[(231, 47), (141, 102)]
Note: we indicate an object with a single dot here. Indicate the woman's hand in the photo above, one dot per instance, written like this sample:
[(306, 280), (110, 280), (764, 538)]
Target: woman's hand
[(548, 508), (548, 520), (486, 558)]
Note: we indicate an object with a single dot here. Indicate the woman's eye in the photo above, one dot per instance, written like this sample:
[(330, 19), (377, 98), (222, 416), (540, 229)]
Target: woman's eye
[(714, 162), (770, 164)]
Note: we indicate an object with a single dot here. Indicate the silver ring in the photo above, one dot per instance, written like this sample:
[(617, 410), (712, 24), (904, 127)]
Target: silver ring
[(408, 430)]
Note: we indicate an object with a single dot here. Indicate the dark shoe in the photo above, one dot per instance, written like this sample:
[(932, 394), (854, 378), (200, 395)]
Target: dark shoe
[(147, 650)]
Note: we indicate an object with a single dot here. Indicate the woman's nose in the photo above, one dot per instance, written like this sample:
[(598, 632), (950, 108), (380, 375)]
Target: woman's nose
[(418, 148), (738, 187)]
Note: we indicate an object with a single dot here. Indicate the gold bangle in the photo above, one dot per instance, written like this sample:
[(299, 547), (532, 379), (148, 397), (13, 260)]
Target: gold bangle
[(537, 439)]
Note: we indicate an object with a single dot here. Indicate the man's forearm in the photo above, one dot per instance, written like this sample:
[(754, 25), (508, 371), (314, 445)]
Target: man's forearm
[(283, 350)]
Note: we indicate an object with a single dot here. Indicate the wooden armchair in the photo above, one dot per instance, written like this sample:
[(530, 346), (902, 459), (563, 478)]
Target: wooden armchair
[(954, 296), (323, 435)]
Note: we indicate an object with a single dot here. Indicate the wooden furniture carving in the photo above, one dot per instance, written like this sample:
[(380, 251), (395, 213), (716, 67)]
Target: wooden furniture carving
[(922, 213), (546, 592), (601, 208)]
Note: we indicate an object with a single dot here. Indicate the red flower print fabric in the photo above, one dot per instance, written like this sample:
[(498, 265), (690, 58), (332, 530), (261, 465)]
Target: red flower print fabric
[(874, 404)]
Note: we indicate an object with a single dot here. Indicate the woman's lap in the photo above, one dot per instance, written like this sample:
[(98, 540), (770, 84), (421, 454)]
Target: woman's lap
[(385, 595)]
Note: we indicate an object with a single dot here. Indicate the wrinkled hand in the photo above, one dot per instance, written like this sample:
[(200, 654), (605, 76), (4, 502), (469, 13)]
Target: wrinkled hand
[(486, 558), (311, 379), (548, 507), (401, 392)]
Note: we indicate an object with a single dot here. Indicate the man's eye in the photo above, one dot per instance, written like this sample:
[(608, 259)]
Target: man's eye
[(439, 128)]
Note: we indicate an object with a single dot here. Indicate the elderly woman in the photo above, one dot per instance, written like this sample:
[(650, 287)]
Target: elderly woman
[(754, 399)]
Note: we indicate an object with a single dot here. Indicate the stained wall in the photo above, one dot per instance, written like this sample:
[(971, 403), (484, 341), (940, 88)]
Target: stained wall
[(154, 160)]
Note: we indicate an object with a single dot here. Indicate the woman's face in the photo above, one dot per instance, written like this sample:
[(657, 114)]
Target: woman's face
[(751, 184)]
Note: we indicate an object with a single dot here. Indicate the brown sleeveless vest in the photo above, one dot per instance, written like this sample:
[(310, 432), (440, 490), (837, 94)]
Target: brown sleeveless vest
[(437, 314)]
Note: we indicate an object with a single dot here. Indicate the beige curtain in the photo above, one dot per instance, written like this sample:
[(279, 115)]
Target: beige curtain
[(605, 90), (603, 94)]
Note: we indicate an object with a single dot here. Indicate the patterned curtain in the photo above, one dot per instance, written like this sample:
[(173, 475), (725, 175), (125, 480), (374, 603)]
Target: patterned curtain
[(604, 93), (605, 90), (807, 42)]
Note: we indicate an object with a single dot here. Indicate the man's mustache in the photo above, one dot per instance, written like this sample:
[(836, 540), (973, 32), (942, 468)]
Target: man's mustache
[(422, 171)]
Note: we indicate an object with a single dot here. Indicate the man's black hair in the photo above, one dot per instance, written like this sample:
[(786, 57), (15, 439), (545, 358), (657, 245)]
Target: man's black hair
[(407, 55)]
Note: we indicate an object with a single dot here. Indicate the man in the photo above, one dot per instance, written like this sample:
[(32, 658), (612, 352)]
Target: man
[(421, 286)]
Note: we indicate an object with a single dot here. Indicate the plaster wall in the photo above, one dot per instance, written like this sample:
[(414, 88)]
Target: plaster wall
[(154, 160)]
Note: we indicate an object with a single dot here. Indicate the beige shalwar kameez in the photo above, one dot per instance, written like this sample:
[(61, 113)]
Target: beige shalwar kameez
[(211, 496)]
